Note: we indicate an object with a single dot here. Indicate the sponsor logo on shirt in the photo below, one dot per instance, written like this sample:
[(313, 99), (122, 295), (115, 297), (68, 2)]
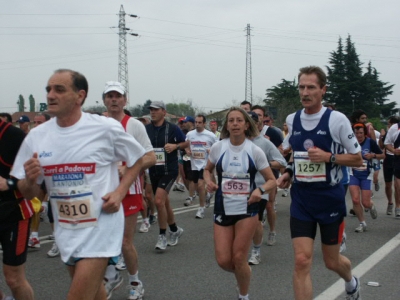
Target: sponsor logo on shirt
[(235, 164), (198, 143), (45, 154), (350, 136), (296, 132), (356, 145), (334, 214), (308, 144), (321, 132), (86, 168)]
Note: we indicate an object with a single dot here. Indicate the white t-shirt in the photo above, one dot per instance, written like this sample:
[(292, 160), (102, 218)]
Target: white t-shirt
[(72, 158), (339, 127), (200, 144), (391, 136), (237, 161), (136, 129)]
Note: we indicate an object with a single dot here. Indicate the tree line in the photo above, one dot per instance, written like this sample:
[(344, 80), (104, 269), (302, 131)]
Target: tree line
[(350, 86)]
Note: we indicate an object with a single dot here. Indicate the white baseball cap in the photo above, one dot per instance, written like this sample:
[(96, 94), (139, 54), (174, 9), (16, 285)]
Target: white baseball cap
[(114, 86)]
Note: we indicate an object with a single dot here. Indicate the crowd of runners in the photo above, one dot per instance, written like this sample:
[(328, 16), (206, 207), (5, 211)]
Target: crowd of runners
[(91, 175)]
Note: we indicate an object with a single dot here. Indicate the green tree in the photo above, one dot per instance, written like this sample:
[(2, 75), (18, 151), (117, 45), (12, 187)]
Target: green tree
[(31, 103), (349, 88), (21, 103), (181, 109), (284, 99)]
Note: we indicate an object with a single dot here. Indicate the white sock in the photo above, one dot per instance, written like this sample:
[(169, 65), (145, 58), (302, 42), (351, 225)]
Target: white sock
[(111, 272), (246, 297), (146, 220), (35, 234), (134, 278), (351, 285)]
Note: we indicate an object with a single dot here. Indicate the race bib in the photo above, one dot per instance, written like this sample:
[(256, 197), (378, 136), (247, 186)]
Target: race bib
[(307, 171), (75, 208), (236, 184), (235, 191), (199, 153), (160, 156), (363, 167)]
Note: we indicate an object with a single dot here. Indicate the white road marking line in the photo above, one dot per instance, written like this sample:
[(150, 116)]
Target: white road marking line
[(337, 288)]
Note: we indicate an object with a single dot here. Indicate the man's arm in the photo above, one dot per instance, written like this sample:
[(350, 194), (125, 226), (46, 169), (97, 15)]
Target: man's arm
[(345, 159), (28, 186), (149, 160), (112, 201)]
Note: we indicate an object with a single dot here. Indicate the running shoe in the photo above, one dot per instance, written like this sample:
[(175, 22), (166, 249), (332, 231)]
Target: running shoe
[(188, 201), (343, 246), (285, 193), (136, 292), (161, 242), (352, 212), (373, 212), (152, 219), (208, 199), (54, 251), (389, 209), (34, 242), (112, 285), (179, 187), (51, 237), (200, 213), (355, 295), (377, 186), (144, 227), (397, 212), (120, 266), (271, 239), (255, 258), (174, 237), (361, 228)]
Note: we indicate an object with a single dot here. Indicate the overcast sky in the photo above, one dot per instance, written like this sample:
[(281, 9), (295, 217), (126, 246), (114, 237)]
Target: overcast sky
[(188, 49)]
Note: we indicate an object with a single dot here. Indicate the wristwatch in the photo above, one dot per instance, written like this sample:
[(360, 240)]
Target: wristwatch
[(333, 158), (12, 185), (261, 190)]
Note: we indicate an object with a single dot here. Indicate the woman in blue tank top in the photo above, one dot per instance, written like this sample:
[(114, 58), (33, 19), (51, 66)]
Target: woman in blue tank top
[(360, 178)]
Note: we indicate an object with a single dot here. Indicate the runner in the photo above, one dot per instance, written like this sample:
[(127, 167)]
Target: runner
[(361, 177), (34, 241), (166, 139), (213, 124), (24, 123), (392, 144), (318, 137), (115, 100), (237, 161), (14, 228), (76, 154), (271, 134), (200, 141), (388, 167), (276, 161)]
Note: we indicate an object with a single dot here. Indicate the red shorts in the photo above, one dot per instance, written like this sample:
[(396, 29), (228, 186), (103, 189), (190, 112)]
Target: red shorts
[(132, 204)]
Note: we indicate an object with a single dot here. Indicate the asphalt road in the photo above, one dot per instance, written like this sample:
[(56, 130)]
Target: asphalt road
[(189, 270)]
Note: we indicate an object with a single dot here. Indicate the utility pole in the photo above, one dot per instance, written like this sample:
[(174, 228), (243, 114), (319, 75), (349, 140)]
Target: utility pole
[(249, 88), (123, 54)]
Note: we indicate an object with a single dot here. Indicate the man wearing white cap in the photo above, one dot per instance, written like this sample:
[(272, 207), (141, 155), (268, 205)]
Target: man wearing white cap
[(166, 138), (114, 98), (77, 156)]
